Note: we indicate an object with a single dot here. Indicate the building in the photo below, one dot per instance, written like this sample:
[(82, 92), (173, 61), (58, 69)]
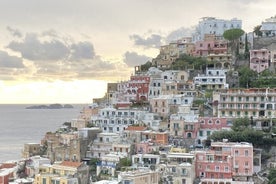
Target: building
[(225, 162), (66, 172), (259, 59), (212, 25), (112, 120), (257, 103), (30, 149), (145, 176), (179, 168), (268, 27), (212, 79)]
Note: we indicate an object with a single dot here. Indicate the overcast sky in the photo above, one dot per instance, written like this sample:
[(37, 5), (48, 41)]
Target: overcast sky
[(66, 50)]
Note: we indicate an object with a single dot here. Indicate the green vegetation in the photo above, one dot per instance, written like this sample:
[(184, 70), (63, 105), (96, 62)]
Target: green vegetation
[(244, 133), (233, 36), (257, 30), (246, 76), (146, 66), (185, 61), (272, 176)]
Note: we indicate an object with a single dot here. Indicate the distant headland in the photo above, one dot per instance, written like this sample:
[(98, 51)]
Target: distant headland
[(51, 106)]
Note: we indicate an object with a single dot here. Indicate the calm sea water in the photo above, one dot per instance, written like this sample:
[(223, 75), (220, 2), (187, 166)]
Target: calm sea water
[(19, 125)]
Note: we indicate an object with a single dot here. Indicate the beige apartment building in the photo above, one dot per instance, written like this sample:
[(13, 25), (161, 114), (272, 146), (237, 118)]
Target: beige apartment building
[(258, 103)]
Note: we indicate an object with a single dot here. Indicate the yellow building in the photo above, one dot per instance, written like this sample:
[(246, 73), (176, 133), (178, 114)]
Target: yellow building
[(63, 173)]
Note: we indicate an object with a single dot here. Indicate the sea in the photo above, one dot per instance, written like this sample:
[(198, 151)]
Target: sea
[(19, 125)]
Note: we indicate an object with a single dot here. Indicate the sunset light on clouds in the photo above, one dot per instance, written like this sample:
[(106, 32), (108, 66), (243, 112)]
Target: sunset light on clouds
[(66, 51)]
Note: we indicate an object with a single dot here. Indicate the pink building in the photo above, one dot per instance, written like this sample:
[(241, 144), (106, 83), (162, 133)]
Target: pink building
[(225, 162), (208, 125), (259, 60), (145, 147), (210, 46)]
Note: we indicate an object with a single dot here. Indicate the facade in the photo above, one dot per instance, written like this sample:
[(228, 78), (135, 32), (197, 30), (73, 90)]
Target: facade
[(225, 162), (268, 27), (112, 120), (30, 149), (257, 103), (65, 172), (212, 25), (259, 60), (102, 145), (108, 163), (180, 168), (208, 125), (139, 177), (213, 79)]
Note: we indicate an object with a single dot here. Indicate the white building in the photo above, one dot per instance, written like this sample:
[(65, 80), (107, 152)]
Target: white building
[(213, 79), (102, 145), (116, 120), (212, 25), (269, 27)]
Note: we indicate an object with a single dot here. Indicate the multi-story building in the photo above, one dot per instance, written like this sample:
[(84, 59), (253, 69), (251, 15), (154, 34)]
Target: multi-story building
[(139, 177), (213, 79), (156, 81), (258, 103), (102, 145), (164, 105), (64, 172), (145, 160), (208, 125), (116, 120), (179, 168), (259, 59), (225, 162), (212, 25), (209, 46), (134, 133), (30, 149), (185, 126), (108, 163), (268, 27)]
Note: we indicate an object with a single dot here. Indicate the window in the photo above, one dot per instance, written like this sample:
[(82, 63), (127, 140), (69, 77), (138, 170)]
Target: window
[(200, 133), (246, 153), (236, 152)]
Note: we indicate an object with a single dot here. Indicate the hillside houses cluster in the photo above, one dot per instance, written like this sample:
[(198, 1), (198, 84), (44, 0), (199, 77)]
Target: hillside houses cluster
[(153, 127)]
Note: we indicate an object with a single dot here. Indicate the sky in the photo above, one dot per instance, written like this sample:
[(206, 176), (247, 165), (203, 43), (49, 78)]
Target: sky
[(66, 51)]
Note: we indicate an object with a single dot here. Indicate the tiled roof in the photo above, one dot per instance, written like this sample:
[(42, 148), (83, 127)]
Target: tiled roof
[(136, 128), (71, 164)]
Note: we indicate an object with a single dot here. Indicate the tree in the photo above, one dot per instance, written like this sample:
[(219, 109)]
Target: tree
[(233, 36), (272, 176), (146, 66), (246, 76), (240, 124), (246, 49), (257, 30)]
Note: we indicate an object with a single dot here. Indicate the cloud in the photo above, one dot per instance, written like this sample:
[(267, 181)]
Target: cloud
[(82, 50), (14, 32), (7, 61), (133, 59), (32, 48), (51, 56), (153, 41), (179, 33)]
